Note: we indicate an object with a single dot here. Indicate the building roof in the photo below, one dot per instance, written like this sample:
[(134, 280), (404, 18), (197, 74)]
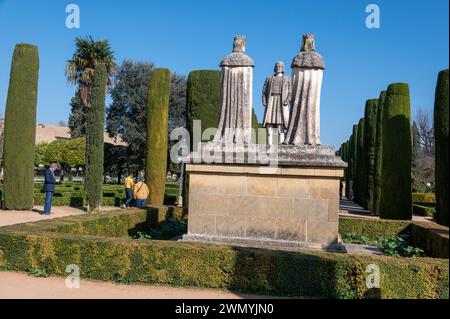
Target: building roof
[(47, 133)]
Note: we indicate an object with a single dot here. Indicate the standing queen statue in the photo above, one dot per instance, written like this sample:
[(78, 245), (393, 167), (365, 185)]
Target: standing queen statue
[(307, 73)]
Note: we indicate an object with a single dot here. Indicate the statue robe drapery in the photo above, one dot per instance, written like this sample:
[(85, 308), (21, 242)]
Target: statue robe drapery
[(305, 110), (235, 121)]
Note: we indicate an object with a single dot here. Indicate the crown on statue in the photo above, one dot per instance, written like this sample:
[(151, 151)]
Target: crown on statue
[(239, 43), (308, 43)]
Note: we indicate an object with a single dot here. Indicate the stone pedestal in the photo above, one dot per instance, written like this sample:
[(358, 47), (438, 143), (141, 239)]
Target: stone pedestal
[(293, 205)]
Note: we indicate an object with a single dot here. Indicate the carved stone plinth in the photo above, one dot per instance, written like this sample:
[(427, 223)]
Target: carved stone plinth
[(289, 206)]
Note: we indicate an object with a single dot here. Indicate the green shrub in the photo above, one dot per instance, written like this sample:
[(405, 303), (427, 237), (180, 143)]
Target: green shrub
[(430, 237), (370, 136), (378, 155), (95, 127), (391, 246), (53, 244), (20, 128), (157, 134), (441, 118), (396, 201)]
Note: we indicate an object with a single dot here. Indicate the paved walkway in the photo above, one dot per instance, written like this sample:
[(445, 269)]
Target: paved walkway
[(11, 217), (350, 209), (15, 285)]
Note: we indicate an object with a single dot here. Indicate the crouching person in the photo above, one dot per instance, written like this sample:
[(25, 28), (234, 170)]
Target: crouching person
[(140, 192)]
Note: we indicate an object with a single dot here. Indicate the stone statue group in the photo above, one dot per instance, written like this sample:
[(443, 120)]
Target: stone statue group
[(292, 105)]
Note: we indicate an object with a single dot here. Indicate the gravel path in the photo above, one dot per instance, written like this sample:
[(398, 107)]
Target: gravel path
[(15, 285)]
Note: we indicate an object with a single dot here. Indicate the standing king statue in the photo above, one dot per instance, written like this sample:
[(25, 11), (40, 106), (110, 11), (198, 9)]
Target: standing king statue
[(307, 73), (235, 122), (275, 97)]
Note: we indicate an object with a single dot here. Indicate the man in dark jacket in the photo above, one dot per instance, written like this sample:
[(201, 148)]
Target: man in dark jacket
[(49, 187)]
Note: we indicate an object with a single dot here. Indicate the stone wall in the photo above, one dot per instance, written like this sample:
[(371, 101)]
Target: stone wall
[(257, 202)]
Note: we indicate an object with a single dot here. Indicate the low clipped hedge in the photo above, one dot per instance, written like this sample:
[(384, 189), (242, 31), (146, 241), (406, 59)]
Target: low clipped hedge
[(101, 246), (73, 194), (373, 227), (424, 198)]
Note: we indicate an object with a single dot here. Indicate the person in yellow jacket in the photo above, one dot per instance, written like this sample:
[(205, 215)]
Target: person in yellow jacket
[(140, 192), (128, 183)]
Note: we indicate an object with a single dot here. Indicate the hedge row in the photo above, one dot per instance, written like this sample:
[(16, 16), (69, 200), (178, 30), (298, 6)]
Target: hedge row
[(373, 228), (424, 198), (325, 275)]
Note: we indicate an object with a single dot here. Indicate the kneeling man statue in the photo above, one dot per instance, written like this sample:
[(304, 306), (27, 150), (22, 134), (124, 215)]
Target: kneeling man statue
[(276, 95)]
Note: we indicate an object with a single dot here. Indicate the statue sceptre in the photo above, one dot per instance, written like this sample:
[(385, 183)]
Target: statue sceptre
[(275, 97), (307, 74)]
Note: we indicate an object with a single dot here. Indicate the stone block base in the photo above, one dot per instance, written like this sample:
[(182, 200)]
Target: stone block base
[(257, 204)]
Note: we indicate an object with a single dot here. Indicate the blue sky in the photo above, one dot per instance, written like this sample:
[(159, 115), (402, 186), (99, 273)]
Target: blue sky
[(411, 46)]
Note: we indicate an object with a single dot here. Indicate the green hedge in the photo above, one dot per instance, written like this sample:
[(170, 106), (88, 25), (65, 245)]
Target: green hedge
[(424, 198), (360, 167), (378, 155), (441, 131), (46, 245), (373, 228), (157, 134), (20, 128), (396, 201), (95, 125), (370, 136)]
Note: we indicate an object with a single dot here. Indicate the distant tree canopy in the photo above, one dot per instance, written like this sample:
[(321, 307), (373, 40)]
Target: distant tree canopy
[(39, 156), (67, 153), (77, 117), (127, 114)]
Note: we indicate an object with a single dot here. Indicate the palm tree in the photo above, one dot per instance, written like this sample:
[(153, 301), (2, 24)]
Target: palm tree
[(80, 71)]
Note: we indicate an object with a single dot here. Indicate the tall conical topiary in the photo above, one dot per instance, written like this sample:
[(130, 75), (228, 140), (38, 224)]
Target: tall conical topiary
[(157, 132), (441, 119), (378, 151), (359, 178), (370, 135), (354, 154), (20, 128), (349, 160), (396, 197), (95, 125)]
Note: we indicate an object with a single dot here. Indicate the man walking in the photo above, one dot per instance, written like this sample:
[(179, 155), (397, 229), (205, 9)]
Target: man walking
[(49, 187)]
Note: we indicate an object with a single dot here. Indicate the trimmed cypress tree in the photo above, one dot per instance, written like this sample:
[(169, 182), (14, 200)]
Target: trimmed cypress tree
[(349, 160), (20, 128), (441, 119), (354, 154), (370, 135), (202, 103), (95, 126), (378, 151), (396, 197), (359, 177), (157, 134)]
